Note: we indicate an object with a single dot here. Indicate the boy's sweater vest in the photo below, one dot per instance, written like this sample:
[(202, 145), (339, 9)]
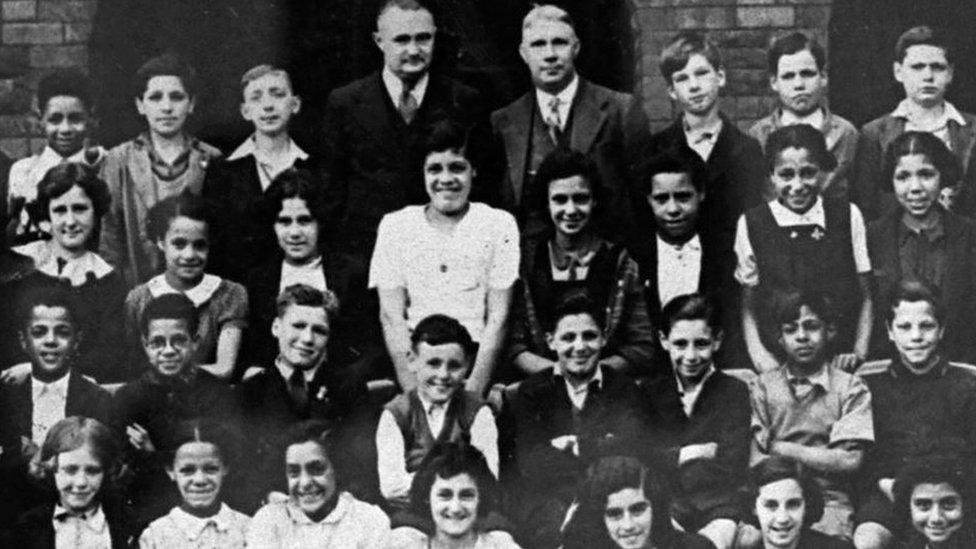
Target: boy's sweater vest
[(408, 411)]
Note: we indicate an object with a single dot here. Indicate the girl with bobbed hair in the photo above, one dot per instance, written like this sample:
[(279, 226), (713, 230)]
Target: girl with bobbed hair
[(934, 501), (622, 504)]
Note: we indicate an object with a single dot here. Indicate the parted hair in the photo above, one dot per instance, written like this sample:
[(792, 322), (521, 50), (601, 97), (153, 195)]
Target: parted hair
[(936, 468), (799, 136), (575, 302), (61, 178), (791, 43), (562, 163), (447, 460), (439, 329), (167, 64), (293, 183), (777, 468), (676, 54), (255, 72), (912, 291), (165, 211), (922, 35), (691, 307), (74, 432), (547, 12), (305, 295), (927, 145)]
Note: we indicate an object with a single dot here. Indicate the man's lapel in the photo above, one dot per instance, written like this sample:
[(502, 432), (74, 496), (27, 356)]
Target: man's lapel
[(372, 113), (589, 113), (515, 130)]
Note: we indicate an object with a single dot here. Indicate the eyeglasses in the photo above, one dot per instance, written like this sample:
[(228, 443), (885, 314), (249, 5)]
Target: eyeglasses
[(159, 343)]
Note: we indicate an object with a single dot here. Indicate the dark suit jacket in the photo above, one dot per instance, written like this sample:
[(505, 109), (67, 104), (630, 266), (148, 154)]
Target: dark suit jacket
[(703, 489), (243, 235), (355, 337), (958, 285), (605, 125), (35, 529), (84, 398), (373, 161)]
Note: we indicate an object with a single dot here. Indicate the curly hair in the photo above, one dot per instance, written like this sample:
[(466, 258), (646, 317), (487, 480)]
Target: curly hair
[(448, 460), (61, 178), (72, 433)]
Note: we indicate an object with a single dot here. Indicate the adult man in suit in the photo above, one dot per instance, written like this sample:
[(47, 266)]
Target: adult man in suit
[(302, 384), (375, 127), (563, 109)]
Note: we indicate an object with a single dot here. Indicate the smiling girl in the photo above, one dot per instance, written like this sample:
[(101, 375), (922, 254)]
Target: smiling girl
[(933, 497)]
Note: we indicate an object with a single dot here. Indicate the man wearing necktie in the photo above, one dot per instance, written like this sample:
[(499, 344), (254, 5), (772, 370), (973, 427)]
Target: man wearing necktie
[(564, 109), (374, 128)]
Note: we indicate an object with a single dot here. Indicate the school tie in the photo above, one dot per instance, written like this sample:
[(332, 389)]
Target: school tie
[(297, 389), (408, 104), (554, 121)]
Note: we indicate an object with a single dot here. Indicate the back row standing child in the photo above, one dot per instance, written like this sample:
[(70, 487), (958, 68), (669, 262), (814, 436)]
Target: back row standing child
[(798, 75), (162, 162)]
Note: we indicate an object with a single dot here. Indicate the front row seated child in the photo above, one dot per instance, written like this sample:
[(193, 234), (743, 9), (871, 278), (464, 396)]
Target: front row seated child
[(236, 185), (801, 241), (922, 240), (79, 459), (934, 500), (318, 514), (180, 228), (438, 409), (810, 410), (576, 257), (450, 256), (922, 402), (173, 389), (161, 162), (559, 419), (198, 462), (451, 497), (699, 418), (66, 107)]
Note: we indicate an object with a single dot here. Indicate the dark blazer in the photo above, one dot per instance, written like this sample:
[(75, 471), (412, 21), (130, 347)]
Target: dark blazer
[(243, 235), (735, 174), (84, 398), (703, 490), (35, 529), (355, 336), (958, 286), (373, 161), (605, 125)]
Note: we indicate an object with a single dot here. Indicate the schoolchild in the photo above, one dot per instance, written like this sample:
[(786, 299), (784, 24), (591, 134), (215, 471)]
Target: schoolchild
[(797, 66), (934, 497), (802, 241), (437, 410), (179, 227), (161, 162)]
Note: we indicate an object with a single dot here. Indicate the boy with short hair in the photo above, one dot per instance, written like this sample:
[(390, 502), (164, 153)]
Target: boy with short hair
[(700, 417), (810, 410), (692, 67), (66, 108), (438, 409), (798, 74), (922, 404), (924, 66), (237, 184)]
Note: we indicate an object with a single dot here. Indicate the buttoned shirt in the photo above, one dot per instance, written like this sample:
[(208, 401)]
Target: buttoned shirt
[(287, 370), (447, 273), (815, 119), (394, 478), (939, 128), (80, 531), (678, 268), (689, 395), (702, 140), (353, 524), (544, 100), (577, 394), (570, 266), (746, 269), (73, 269), (269, 166), (181, 530), (310, 274), (394, 87), (922, 253), (49, 401)]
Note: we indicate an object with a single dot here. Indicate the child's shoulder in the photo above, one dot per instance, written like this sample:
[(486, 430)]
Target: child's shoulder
[(207, 149)]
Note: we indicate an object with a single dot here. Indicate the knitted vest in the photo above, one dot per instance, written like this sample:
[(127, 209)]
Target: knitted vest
[(410, 417)]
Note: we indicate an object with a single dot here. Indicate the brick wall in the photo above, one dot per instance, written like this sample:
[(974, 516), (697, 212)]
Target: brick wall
[(36, 36), (741, 29)]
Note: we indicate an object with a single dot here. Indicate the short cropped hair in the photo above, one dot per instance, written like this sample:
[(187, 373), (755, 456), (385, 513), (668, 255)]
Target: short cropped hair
[(800, 136), (294, 183), (68, 83), (676, 54), (307, 296), (564, 162), (911, 291), (922, 35), (935, 469), (447, 460), (785, 307), (45, 294), (438, 329), (258, 71), (548, 12), (671, 161), (170, 307), (928, 145), (446, 135), (61, 178), (575, 302), (791, 43), (165, 211), (168, 64), (406, 5), (691, 307), (776, 468), (74, 432)]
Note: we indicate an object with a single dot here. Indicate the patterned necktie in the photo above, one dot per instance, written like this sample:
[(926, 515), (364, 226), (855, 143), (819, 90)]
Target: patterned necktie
[(554, 121), (408, 104)]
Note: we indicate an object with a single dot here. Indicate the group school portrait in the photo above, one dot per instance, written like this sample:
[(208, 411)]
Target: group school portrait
[(487, 274)]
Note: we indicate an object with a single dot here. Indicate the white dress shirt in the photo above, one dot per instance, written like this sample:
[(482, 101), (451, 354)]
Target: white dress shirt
[(689, 395), (49, 402), (939, 128), (394, 87), (702, 140), (311, 274), (268, 166), (566, 96), (577, 395), (86, 531), (678, 268), (815, 119)]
